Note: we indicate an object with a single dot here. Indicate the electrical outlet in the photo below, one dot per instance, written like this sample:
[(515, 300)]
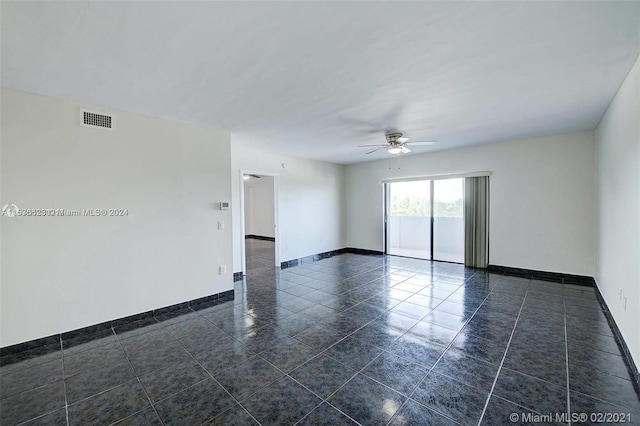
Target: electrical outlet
[(222, 269)]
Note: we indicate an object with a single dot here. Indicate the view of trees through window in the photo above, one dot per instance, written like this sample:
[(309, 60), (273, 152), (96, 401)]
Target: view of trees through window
[(413, 206)]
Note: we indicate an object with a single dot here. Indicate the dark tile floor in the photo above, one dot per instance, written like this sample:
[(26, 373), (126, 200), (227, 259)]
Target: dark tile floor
[(259, 253), (347, 340)]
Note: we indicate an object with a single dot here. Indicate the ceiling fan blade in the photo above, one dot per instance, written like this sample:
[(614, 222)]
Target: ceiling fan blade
[(423, 143), (378, 144), (405, 150), (402, 139), (377, 149)]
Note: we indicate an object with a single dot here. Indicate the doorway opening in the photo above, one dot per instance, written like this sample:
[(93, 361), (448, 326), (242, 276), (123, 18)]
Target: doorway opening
[(425, 219), (259, 219)]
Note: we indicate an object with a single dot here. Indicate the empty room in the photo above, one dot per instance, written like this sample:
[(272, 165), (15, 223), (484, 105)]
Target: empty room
[(310, 213)]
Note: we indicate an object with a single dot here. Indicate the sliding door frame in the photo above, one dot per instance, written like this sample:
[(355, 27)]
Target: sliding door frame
[(386, 184)]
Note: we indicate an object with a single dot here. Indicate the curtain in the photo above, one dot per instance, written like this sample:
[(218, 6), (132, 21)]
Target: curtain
[(476, 221)]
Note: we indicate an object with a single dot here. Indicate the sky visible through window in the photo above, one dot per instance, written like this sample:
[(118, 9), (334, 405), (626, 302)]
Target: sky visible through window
[(412, 198)]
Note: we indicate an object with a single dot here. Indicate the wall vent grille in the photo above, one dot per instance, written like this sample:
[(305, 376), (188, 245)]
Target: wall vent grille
[(93, 119)]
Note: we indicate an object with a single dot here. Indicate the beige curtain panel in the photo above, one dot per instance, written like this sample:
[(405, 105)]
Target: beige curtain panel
[(476, 221)]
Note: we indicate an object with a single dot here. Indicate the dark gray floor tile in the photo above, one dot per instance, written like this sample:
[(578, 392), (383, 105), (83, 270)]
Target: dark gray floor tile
[(282, 402), (417, 350), (137, 328), (352, 352), (326, 415), (323, 375), (451, 398), (502, 412), (167, 381), (378, 334), (445, 319), (57, 418), (289, 354), (532, 393), (411, 310), (147, 417), (470, 371), (235, 415), (110, 406), (345, 323), (290, 316), (320, 336), (319, 313), (548, 365), (263, 338), (195, 405), (294, 324), (433, 332), (599, 360), (413, 413), (581, 403), (601, 385), (223, 354), (148, 360), (366, 401), (148, 341), (400, 374), (32, 403), (99, 357), (595, 341), (196, 342), (248, 377), (194, 325), (93, 381), (32, 377), (12, 363)]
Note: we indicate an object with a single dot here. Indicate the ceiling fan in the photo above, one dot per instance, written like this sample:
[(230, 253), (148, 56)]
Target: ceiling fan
[(396, 144), (249, 176)]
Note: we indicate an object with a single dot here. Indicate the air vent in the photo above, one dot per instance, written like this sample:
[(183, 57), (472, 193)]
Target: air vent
[(93, 119)]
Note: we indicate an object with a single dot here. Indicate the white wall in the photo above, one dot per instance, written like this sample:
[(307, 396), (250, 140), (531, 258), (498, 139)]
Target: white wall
[(63, 273), (258, 207), (311, 202), (541, 199), (618, 202)]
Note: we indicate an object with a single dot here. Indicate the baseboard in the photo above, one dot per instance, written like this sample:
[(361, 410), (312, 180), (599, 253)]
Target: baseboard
[(326, 255), (259, 237), (622, 345), (44, 345), (532, 274)]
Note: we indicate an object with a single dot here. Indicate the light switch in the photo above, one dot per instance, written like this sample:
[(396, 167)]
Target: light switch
[(221, 224)]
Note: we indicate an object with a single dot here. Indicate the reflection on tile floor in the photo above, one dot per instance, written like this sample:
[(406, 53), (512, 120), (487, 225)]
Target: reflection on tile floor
[(259, 254), (346, 340)]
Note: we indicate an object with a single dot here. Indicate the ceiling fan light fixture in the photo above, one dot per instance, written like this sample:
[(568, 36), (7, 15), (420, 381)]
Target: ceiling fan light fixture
[(394, 150)]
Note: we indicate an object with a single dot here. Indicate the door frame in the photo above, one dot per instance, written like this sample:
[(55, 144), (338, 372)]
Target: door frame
[(386, 184), (276, 218)]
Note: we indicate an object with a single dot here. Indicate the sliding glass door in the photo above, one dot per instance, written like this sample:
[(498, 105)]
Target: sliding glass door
[(409, 218), (448, 220), (425, 219)]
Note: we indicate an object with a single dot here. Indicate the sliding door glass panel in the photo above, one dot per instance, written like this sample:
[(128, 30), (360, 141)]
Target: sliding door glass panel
[(448, 220), (408, 221)]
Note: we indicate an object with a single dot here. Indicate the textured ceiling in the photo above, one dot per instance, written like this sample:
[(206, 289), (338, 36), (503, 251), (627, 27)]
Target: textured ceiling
[(315, 79)]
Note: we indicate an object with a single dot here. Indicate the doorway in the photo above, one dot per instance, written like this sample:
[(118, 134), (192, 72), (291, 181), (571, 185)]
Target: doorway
[(425, 219), (259, 244)]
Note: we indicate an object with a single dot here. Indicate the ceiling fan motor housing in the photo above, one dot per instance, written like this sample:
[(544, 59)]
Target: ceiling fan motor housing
[(392, 138)]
